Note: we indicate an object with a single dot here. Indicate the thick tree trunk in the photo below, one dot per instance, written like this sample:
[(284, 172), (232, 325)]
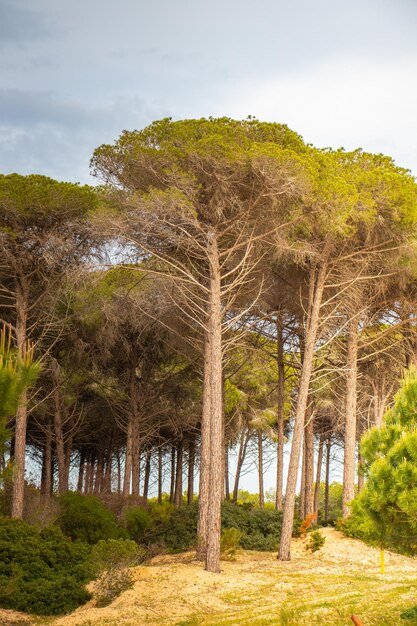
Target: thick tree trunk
[(178, 475), (327, 481), (18, 487), (260, 471), (203, 493), (318, 476), (350, 420), (280, 410), (243, 444), (309, 464), (216, 473), (191, 463), (310, 340)]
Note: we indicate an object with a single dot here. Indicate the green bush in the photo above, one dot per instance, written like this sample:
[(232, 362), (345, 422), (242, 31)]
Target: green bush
[(86, 518), (41, 572), (229, 543), (137, 520), (111, 559), (316, 541)]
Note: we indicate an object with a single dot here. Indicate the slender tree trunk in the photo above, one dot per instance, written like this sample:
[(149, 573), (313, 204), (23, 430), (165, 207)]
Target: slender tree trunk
[(119, 473), (128, 458), (361, 476), (311, 334), (172, 489), (46, 484), (159, 475), (350, 421), (81, 471), (318, 476), (58, 425), (280, 410), (302, 505), (18, 487), (226, 473), (243, 444), (147, 474), (309, 464), (178, 475), (216, 474), (203, 493), (260, 471), (191, 463), (327, 481), (99, 473)]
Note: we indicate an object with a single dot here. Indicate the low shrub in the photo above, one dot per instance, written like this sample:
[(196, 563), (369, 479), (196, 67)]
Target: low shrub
[(315, 541), (229, 543), (137, 520), (111, 560), (85, 518), (41, 571)]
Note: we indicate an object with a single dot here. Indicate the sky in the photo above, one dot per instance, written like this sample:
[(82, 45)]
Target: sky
[(75, 74)]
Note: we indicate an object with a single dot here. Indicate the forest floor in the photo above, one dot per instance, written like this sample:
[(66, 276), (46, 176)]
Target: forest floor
[(323, 588)]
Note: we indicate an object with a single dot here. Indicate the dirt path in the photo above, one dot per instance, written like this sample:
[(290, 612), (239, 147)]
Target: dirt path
[(320, 588)]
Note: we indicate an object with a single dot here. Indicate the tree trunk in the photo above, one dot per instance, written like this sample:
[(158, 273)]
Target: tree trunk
[(147, 474), (191, 463), (302, 505), (46, 484), (244, 440), (350, 422), (309, 464), (203, 493), (159, 475), (226, 473), (311, 334), (58, 425), (18, 488), (81, 471), (280, 411), (260, 471), (318, 476), (327, 481), (128, 458), (361, 476), (172, 489), (216, 473)]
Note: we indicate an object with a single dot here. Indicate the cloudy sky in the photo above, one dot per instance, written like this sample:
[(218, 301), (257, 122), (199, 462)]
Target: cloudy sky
[(75, 74)]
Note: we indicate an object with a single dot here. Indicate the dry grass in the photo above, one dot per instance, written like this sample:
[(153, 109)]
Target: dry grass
[(322, 588)]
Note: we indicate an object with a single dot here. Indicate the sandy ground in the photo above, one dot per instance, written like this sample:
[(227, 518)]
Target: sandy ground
[(172, 588)]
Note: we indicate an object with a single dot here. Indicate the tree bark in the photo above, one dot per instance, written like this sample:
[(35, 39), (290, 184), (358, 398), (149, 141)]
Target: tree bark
[(147, 474), (318, 476), (18, 487), (203, 493), (243, 444), (191, 463), (58, 426), (327, 481), (350, 420), (280, 410), (302, 504), (260, 471), (216, 474), (172, 487), (46, 483), (309, 464), (159, 475), (178, 475), (307, 366), (226, 473)]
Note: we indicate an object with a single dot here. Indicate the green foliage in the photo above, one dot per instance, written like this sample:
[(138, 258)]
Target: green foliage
[(335, 502), (137, 520), (112, 559), (409, 613), (315, 541), (386, 509), (41, 572), (85, 518), (229, 543)]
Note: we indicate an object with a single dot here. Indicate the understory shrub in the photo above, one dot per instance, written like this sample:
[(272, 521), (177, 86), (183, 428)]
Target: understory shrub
[(229, 543), (85, 518), (41, 571), (315, 541), (111, 560)]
